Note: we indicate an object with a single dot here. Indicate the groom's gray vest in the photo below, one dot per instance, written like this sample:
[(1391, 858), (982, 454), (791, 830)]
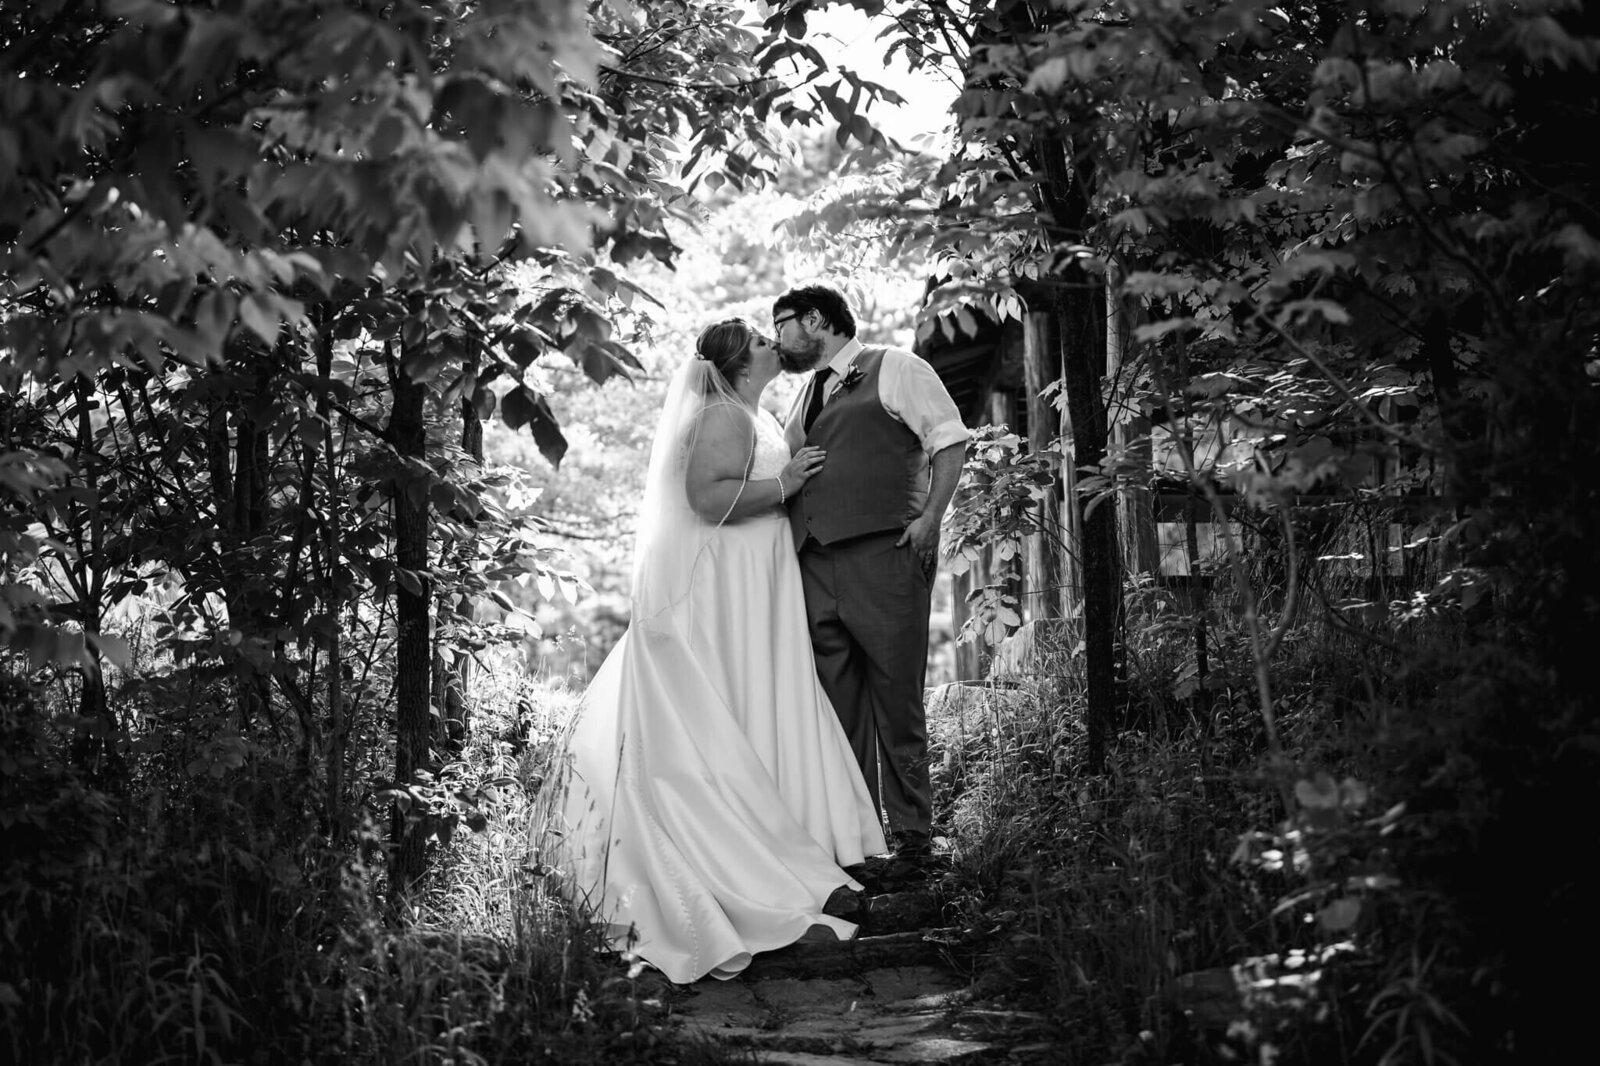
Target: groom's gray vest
[(875, 476)]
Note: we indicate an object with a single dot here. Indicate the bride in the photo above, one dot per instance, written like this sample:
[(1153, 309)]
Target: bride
[(710, 796)]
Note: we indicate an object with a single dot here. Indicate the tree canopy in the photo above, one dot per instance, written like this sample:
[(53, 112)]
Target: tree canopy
[(267, 267)]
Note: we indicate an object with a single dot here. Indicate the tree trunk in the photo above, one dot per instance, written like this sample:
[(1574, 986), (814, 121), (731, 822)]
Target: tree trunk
[(1199, 608), (1079, 310), (241, 501), (413, 718), (1081, 361), (217, 462), (95, 742), (453, 673), (1466, 448), (332, 601)]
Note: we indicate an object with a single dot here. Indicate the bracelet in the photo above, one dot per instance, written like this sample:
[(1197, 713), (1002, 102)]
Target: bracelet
[(783, 497)]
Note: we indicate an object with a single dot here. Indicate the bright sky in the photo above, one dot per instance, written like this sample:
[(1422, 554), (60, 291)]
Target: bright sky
[(847, 38)]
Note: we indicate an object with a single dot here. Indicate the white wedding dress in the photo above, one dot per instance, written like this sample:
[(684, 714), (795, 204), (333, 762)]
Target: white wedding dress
[(712, 796)]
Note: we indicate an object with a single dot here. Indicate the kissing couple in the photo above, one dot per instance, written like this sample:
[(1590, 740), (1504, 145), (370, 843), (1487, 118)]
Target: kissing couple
[(738, 748)]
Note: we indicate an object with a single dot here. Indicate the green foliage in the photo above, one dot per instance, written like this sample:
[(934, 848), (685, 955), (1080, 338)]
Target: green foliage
[(993, 514), (1087, 897), (198, 201), (200, 917), (1352, 251), (1166, 910), (241, 247), (268, 267)]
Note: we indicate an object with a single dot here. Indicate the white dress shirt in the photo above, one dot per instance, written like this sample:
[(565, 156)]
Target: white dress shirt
[(909, 389)]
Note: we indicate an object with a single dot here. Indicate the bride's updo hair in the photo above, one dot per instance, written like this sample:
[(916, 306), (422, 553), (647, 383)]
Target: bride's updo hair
[(726, 346)]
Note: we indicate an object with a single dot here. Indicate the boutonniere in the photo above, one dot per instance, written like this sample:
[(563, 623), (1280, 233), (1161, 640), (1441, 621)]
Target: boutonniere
[(852, 378)]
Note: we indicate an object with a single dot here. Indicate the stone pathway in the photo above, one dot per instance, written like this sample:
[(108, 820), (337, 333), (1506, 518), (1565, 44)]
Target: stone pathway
[(892, 995)]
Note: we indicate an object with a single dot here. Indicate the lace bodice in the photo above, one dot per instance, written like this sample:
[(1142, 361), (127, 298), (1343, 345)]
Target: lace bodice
[(772, 452)]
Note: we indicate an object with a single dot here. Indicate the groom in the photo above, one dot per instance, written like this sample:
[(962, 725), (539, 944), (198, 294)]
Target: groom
[(867, 530)]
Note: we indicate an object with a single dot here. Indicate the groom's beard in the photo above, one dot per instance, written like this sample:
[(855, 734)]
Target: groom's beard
[(801, 358)]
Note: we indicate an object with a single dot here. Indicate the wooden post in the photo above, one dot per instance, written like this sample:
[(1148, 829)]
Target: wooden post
[(1130, 433), (969, 655), (1001, 414), (1071, 528), (1041, 357)]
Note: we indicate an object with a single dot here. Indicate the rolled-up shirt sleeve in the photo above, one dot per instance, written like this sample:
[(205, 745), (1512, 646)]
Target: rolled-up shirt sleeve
[(911, 391)]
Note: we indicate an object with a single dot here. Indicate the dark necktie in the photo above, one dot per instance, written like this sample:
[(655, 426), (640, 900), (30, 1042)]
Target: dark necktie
[(819, 388)]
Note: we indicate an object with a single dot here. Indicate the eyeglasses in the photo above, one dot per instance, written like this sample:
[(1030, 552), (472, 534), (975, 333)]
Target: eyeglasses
[(777, 323)]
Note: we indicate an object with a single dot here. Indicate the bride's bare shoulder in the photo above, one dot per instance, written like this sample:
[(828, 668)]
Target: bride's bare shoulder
[(723, 419)]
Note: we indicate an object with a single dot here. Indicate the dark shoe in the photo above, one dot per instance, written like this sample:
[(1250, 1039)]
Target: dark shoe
[(844, 903), (869, 875), (913, 846)]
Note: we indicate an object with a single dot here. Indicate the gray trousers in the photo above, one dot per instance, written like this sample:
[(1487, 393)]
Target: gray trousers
[(867, 604)]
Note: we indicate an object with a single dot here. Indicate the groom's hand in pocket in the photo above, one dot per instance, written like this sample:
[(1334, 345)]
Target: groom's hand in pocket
[(922, 535)]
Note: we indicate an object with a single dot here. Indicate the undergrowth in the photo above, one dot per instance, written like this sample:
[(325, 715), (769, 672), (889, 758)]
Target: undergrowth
[(1195, 903), (191, 916)]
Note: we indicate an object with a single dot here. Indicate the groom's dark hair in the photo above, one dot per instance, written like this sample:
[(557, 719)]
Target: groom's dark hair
[(825, 300)]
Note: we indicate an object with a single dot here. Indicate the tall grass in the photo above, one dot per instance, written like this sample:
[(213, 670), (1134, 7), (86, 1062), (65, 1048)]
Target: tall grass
[(1110, 898), (192, 916), (1102, 889), (200, 909)]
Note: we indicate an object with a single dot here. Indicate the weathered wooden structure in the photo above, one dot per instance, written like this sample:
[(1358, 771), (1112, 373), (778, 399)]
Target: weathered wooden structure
[(1000, 377), (1166, 534)]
